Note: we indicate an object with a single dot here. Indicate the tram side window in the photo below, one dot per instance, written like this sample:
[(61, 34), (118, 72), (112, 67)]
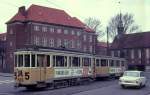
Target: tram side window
[(97, 62), (48, 60), (54, 61), (103, 62), (86, 62), (40, 60), (33, 61), (27, 60), (122, 63), (117, 63), (70, 62), (75, 61), (112, 63), (20, 60), (61, 61)]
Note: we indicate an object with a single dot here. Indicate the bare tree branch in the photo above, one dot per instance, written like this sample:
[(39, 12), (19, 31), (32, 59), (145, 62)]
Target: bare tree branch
[(128, 24), (95, 24)]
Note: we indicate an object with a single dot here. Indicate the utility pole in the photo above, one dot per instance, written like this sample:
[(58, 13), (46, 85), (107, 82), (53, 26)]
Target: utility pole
[(107, 30)]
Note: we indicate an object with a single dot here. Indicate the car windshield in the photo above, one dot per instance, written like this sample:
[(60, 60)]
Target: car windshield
[(132, 74)]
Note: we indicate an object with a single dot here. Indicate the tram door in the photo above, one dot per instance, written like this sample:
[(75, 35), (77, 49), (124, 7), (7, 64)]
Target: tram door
[(41, 64)]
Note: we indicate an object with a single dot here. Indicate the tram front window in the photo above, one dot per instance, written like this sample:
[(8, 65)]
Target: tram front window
[(27, 60), (20, 60)]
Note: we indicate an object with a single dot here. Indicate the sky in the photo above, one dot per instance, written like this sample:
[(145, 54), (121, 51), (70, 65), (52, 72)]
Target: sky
[(103, 10)]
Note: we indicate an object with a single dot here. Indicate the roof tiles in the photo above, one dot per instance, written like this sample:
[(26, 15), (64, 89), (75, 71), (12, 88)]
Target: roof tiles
[(48, 15)]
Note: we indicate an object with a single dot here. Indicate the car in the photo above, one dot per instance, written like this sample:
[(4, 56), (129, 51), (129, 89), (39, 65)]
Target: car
[(132, 78)]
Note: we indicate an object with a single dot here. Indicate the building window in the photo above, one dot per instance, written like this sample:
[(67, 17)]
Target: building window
[(78, 33), (59, 43), (84, 48), (45, 42), (84, 37), (51, 42), (36, 40), (112, 53), (36, 28), (147, 53), (11, 55), (65, 31), (44, 29), (51, 29), (11, 31), (132, 54), (139, 53), (66, 43), (72, 44), (118, 53), (91, 48), (90, 38), (78, 44), (11, 43), (72, 32), (58, 31)]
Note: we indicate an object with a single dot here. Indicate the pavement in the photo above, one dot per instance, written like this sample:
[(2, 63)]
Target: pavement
[(6, 74)]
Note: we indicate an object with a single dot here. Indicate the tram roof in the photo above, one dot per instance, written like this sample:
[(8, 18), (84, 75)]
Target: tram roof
[(62, 51), (44, 50)]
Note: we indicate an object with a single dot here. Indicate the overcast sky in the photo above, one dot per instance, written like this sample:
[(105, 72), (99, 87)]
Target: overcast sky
[(100, 9)]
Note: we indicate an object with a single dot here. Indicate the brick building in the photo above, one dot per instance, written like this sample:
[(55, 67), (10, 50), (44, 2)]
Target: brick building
[(2, 50), (101, 48), (134, 47), (48, 28)]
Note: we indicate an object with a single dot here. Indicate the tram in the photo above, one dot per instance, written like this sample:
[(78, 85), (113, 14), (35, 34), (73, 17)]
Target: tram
[(56, 68)]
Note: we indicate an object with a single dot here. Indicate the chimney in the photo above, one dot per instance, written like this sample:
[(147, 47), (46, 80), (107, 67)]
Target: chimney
[(22, 10)]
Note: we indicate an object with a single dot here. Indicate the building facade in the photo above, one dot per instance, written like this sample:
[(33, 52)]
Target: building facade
[(135, 48), (102, 48), (47, 28), (2, 51)]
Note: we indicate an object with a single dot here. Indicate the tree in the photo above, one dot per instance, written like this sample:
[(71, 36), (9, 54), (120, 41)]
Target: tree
[(94, 24), (128, 23)]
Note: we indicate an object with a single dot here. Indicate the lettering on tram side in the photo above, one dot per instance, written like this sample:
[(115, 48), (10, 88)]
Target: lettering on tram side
[(68, 72), (27, 77)]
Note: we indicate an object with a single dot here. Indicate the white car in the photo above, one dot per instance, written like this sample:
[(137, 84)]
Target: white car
[(132, 78)]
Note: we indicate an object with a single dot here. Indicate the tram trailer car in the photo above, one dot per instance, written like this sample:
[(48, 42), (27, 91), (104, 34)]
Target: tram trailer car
[(107, 66), (38, 69)]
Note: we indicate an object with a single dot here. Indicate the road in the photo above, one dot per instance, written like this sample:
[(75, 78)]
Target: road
[(103, 87)]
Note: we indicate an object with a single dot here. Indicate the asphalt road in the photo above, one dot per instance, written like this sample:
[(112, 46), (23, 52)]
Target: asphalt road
[(103, 87)]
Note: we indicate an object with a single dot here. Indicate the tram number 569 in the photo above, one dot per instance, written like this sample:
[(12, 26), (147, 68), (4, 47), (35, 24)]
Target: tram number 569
[(27, 75)]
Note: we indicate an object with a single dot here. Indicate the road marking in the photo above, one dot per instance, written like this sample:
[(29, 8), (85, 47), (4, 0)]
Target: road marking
[(6, 81)]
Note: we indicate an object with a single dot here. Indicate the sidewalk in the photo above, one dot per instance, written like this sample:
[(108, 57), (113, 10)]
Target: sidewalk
[(6, 74)]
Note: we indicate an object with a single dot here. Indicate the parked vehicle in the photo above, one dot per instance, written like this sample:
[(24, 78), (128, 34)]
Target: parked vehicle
[(132, 78)]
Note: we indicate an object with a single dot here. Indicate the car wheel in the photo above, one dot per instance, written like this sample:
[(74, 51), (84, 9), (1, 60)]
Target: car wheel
[(123, 86), (144, 84), (140, 86)]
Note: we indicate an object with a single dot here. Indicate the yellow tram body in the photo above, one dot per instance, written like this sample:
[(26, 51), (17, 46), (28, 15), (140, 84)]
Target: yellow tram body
[(45, 68)]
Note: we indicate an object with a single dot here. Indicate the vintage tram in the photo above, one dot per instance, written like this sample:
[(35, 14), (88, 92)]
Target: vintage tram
[(55, 68)]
